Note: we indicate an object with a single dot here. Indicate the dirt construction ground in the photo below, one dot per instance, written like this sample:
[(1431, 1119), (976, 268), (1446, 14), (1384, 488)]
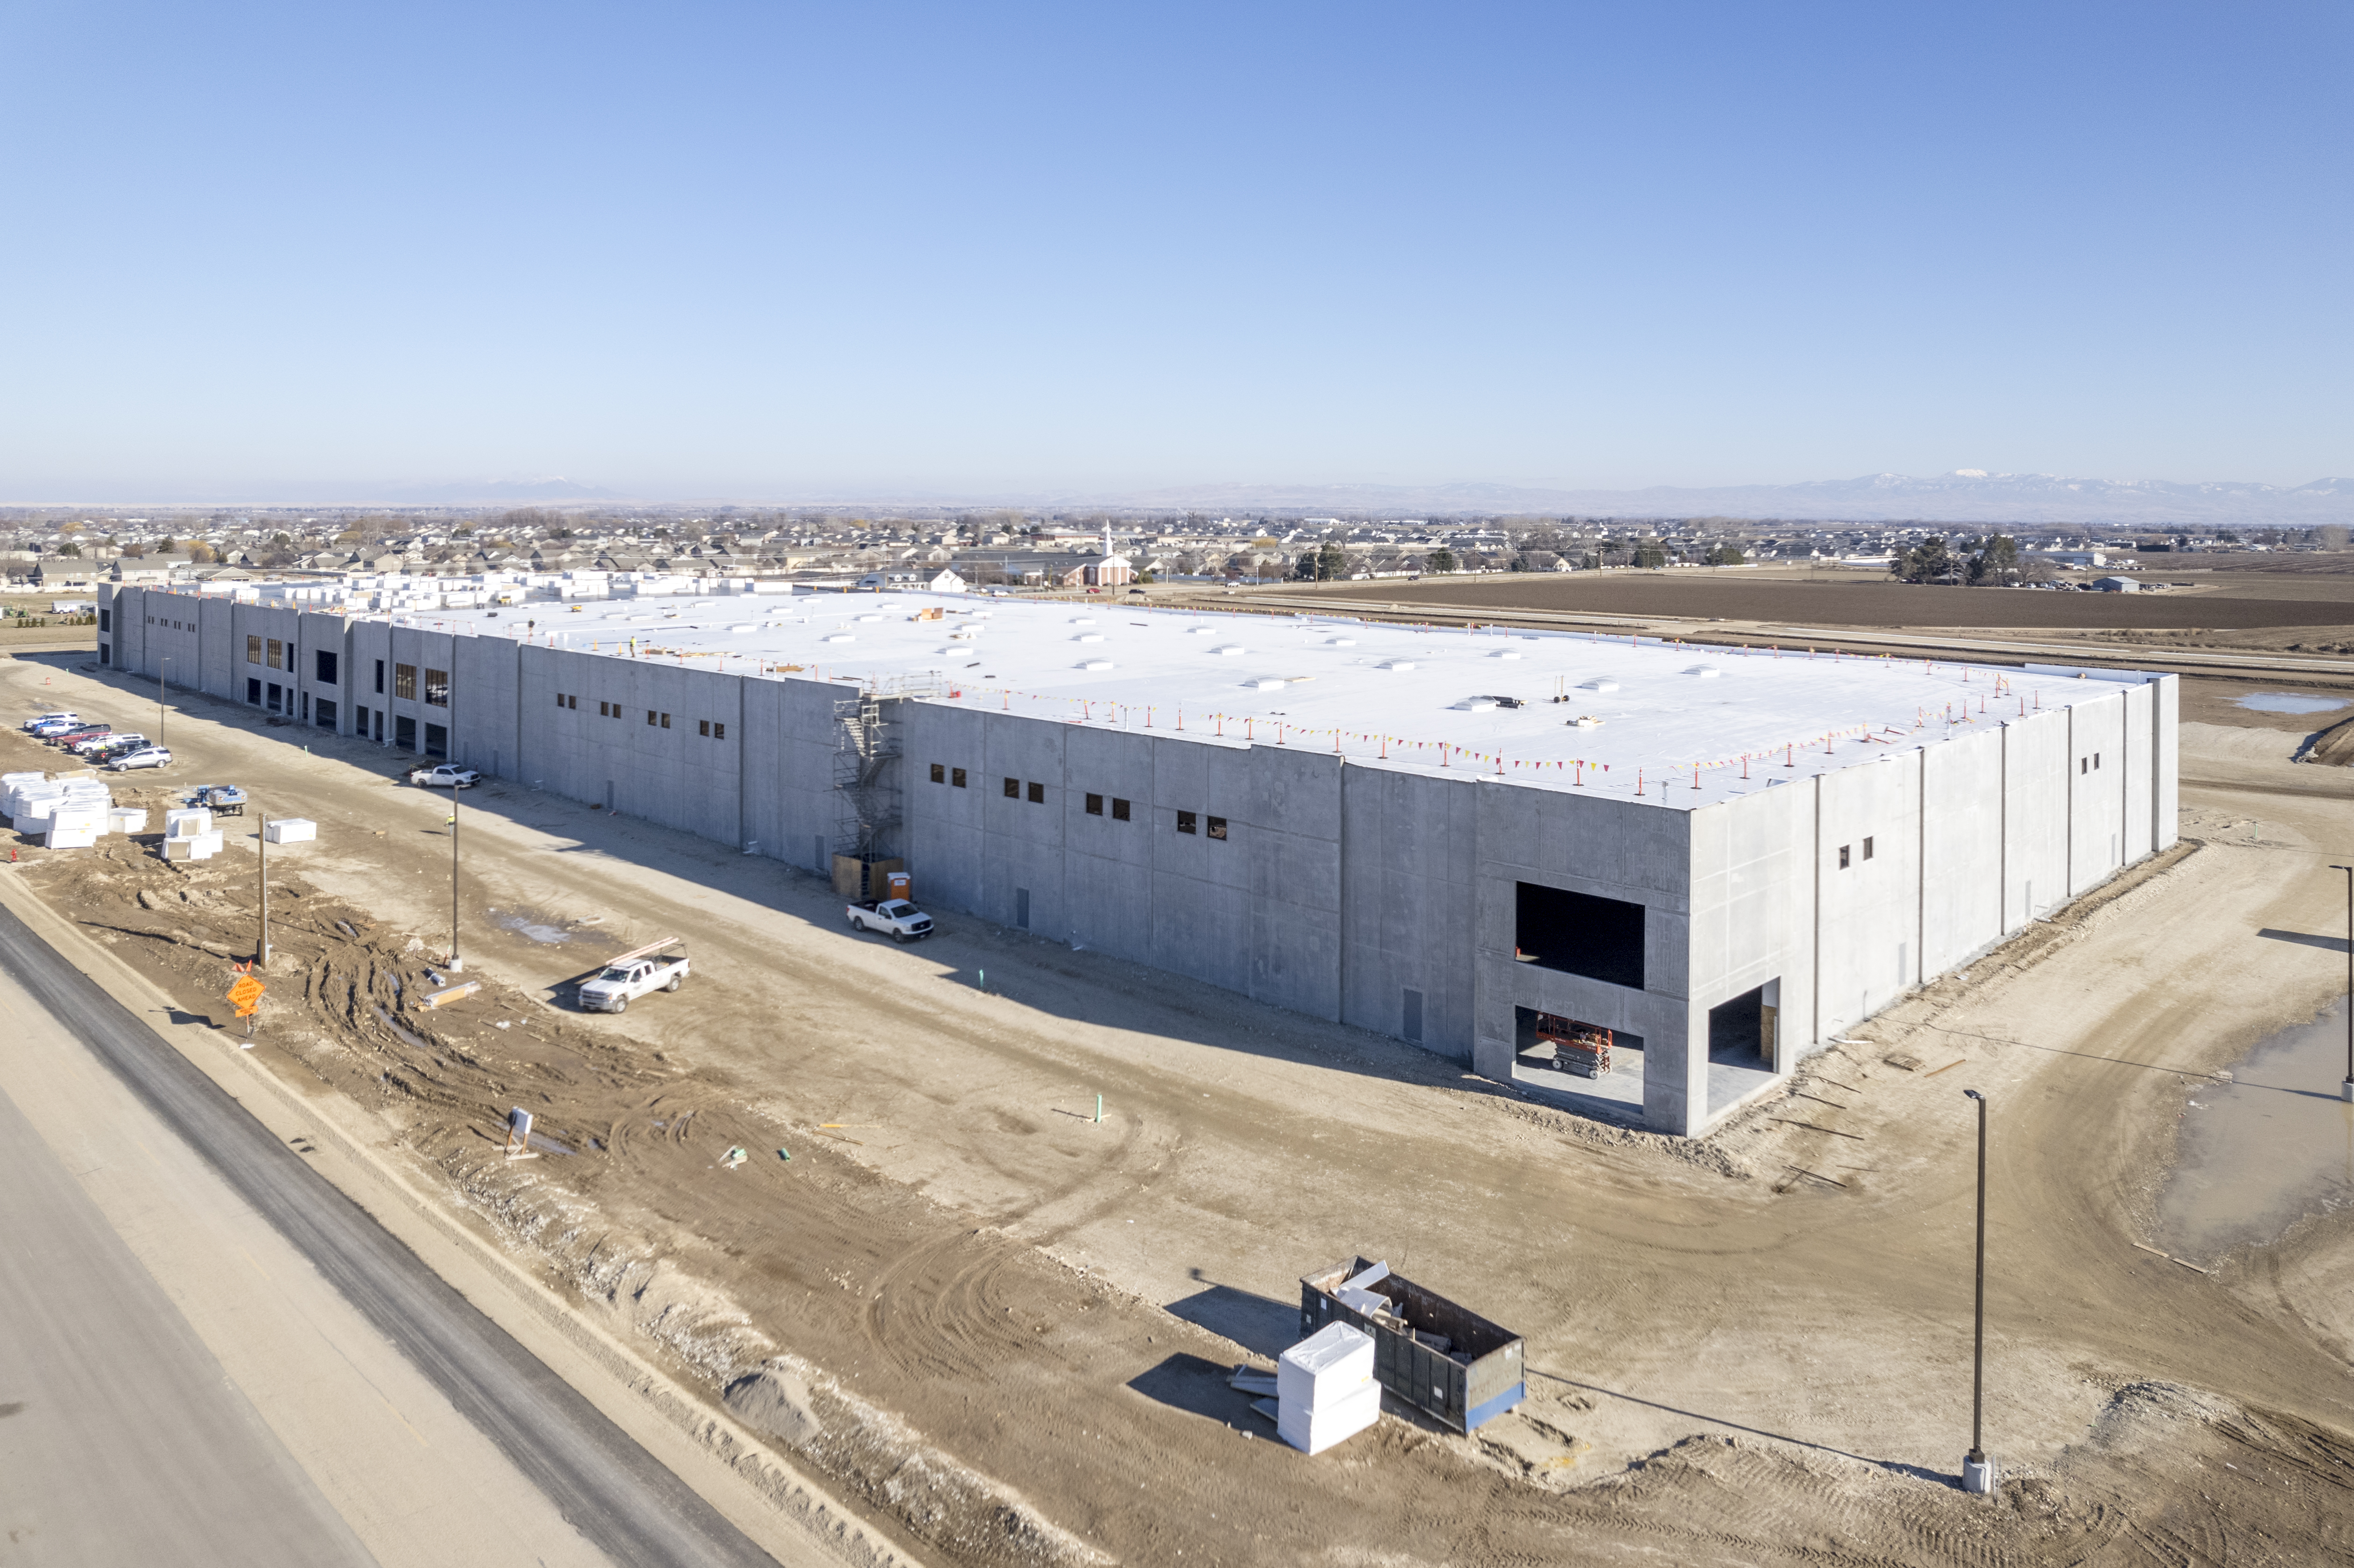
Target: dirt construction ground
[(1002, 1328)]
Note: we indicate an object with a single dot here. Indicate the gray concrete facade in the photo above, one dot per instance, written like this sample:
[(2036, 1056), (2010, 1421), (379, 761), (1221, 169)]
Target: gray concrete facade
[(1378, 896)]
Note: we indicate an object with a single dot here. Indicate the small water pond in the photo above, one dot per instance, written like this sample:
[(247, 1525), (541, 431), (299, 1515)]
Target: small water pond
[(2264, 1151)]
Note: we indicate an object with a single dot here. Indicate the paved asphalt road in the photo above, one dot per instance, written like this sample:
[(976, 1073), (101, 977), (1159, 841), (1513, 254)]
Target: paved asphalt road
[(121, 1440), (606, 1487)]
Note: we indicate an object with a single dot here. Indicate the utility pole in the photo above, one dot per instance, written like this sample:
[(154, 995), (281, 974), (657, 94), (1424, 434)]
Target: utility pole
[(457, 964), (261, 847), (160, 670), (1978, 1474), (2346, 1089)]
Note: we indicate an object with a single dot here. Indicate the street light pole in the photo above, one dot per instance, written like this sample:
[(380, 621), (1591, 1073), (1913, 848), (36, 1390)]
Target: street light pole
[(159, 701), (1978, 1474), (2346, 1089)]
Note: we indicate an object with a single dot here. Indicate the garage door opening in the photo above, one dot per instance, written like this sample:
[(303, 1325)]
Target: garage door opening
[(1579, 934), (1582, 1067), (1743, 1047)]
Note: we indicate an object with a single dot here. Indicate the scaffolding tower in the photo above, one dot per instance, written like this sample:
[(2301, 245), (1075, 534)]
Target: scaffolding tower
[(865, 778)]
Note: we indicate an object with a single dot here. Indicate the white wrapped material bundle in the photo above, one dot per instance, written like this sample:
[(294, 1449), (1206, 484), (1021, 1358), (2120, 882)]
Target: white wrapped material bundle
[(1313, 1431), (291, 831), (10, 780), (75, 817), (34, 800), (1329, 1365), (71, 838), (187, 822), (203, 846), (127, 819)]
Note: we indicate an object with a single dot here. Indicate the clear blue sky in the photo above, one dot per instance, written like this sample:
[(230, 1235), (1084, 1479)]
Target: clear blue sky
[(781, 251)]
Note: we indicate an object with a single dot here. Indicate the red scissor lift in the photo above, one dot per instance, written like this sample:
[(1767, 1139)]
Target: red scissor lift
[(1580, 1048)]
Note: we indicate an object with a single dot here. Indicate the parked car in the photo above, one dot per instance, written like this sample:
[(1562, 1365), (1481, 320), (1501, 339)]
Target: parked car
[(50, 728), (632, 975), (445, 777), (145, 756), (61, 716), (896, 915), (71, 738), (113, 743)]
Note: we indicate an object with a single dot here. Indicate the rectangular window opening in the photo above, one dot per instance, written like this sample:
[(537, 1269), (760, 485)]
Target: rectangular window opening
[(437, 688), (1013, 789), (718, 730), (1037, 793), (939, 773), (665, 723), (1120, 810), (252, 648), (702, 728), (1095, 805), (1579, 934), (1412, 1022), (1217, 827), (956, 776), (1185, 822), (277, 660), (1867, 849), (403, 681), (325, 665), (1842, 857), (379, 674)]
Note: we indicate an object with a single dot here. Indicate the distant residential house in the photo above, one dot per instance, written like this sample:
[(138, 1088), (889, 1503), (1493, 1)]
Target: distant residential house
[(147, 569), (948, 582), (2116, 585)]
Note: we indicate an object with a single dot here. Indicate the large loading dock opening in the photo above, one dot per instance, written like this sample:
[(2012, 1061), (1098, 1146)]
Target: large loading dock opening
[(1579, 934), (1743, 1044), (1587, 1068)]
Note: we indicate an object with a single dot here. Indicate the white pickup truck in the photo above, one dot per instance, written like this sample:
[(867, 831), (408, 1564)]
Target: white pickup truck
[(633, 974), (896, 915)]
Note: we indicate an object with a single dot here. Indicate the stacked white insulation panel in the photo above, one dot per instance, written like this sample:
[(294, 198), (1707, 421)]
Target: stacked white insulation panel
[(291, 830), (67, 813), (1325, 1391), (190, 835)]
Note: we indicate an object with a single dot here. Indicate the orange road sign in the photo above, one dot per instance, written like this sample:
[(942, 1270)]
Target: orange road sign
[(245, 994)]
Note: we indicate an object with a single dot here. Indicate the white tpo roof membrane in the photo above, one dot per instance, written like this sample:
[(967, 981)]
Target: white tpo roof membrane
[(1678, 725)]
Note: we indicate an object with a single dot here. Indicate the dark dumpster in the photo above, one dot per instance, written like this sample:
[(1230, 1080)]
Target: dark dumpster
[(1440, 1358)]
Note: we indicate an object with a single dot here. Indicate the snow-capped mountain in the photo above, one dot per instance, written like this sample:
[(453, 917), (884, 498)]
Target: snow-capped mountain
[(1966, 495)]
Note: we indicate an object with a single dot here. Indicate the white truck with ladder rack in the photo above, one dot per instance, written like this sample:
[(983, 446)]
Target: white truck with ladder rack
[(632, 974)]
